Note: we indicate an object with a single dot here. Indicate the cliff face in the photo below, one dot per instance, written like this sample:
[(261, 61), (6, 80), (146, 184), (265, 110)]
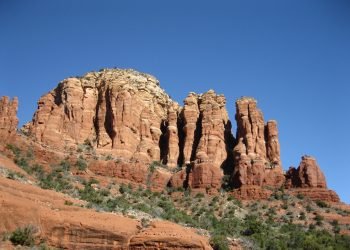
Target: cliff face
[(309, 180), (126, 114), (120, 112), (257, 153), (206, 130), (8, 117), (73, 227)]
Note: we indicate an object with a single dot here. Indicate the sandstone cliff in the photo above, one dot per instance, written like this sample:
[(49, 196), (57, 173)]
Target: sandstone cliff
[(127, 115), (309, 180), (120, 112), (72, 227), (8, 117), (207, 133), (257, 153)]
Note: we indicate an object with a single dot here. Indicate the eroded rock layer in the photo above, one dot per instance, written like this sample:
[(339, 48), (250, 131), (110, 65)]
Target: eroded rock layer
[(73, 227), (117, 111), (307, 175), (257, 153), (309, 180), (8, 117), (125, 114), (206, 129)]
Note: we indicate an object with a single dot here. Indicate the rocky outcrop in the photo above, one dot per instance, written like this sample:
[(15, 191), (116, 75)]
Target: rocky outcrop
[(73, 227), (135, 172), (127, 115), (309, 180), (307, 175), (206, 128), (8, 117), (251, 192), (120, 112), (166, 235), (317, 194), (172, 151), (190, 116), (257, 153)]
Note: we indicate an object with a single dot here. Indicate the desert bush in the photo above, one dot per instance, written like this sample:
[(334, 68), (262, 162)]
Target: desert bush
[(23, 236), (321, 204), (219, 242), (81, 164)]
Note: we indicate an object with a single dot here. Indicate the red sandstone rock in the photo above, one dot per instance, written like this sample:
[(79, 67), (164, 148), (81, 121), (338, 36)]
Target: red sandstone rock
[(172, 138), (72, 227), (8, 117), (135, 172), (309, 180), (307, 175), (213, 118), (118, 111), (206, 127), (317, 194), (190, 114), (166, 235), (257, 153), (251, 192)]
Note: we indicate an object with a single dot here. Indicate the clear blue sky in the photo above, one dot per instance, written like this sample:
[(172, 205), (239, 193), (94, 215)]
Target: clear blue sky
[(293, 56)]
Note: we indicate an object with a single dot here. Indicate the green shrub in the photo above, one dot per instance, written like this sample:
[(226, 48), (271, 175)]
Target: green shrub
[(23, 236), (300, 196), (15, 150), (321, 204), (199, 195), (81, 164), (64, 166), (219, 242)]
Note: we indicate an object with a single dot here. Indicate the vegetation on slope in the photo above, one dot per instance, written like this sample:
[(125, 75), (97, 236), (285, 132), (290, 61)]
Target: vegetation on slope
[(282, 222)]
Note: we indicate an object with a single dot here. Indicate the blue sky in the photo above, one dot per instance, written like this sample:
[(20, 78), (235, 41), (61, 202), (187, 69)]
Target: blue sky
[(292, 56)]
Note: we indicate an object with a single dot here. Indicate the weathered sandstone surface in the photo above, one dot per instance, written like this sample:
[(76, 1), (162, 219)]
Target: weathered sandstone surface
[(117, 111), (310, 181), (8, 117), (135, 172), (72, 227), (126, 114), (257, 153)]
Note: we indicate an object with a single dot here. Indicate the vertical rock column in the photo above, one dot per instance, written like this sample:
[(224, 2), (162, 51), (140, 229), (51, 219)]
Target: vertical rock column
[(172, 138), (257, 153), (190, 115), (8, 117), (205, 149)]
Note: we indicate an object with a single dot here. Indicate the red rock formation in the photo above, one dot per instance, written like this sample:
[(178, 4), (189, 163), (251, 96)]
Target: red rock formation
[(205, 147), (126, 114), (8, 117), (307, 175), (118, 111), (172, 138), (309, 180), (257, 153), (73, 227), (251, 192), (135, 172), (315, 194), (166, 235), (190, 116)]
